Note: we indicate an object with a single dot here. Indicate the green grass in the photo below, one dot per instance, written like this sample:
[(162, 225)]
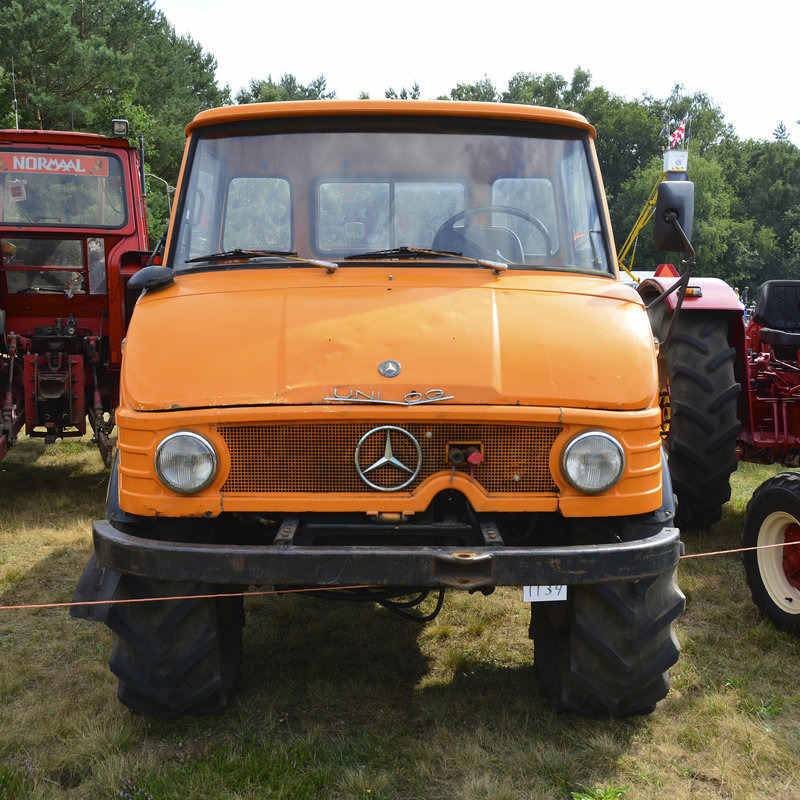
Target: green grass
[(350, 702)]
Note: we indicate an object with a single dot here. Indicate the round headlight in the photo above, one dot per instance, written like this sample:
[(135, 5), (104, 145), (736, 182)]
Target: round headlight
[(593, 462), (186, 462)]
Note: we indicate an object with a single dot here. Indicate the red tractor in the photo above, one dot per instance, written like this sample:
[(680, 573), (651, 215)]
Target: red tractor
[(732, 392), (72, 231), (772, 519)]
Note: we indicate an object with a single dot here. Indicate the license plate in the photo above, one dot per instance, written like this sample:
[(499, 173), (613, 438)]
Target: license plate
[(544, 594)]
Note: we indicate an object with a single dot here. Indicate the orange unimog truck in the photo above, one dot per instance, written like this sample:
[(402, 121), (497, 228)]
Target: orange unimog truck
[(388, 353)]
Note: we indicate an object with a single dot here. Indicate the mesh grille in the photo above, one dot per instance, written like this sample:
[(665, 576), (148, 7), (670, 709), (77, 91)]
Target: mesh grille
[(319, 458)]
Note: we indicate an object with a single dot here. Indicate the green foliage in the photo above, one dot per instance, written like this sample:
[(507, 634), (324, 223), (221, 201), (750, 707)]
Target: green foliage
[(288, 88), (15, 780), (781, 133), (612, 793), (403, 94), (482, 91)]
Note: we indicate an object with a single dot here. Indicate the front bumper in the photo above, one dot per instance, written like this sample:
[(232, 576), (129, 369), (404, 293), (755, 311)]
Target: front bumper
[(286, 563)]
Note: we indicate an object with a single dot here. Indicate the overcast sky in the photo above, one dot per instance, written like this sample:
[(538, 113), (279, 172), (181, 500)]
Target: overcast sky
[(744, 56)]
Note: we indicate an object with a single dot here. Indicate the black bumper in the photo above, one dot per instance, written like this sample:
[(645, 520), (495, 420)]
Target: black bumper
[(285, 563)]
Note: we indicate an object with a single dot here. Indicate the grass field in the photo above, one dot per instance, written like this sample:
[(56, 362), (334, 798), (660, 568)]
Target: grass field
[(350, 701)]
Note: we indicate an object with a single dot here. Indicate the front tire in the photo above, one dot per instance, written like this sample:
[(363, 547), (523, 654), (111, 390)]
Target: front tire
[(607, 649), (772, 519), (703, 424), (175, 657)]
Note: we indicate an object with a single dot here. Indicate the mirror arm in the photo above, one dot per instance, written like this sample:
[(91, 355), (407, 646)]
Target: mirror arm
[(682, 282)]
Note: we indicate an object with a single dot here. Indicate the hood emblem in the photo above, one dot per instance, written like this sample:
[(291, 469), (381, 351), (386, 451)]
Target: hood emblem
[(399, 464), (389, 369)]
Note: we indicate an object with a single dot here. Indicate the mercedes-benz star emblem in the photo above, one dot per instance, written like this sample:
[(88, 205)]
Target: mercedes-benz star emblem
[(390, 472), (389, 369)]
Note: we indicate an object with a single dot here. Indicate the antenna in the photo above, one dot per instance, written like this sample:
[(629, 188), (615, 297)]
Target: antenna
[(14, 89)]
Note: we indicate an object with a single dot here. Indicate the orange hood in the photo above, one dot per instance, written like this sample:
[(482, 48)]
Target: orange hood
[(249, 337)]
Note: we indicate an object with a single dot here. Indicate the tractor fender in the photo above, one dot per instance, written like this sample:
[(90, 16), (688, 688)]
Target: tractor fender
[(714, 294)]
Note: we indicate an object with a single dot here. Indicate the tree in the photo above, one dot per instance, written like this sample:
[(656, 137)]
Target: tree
[(288, 88), (80, 63), (403, 94), (536, 90), (60, 63), (781, 133), (482, 91), (7, 116)]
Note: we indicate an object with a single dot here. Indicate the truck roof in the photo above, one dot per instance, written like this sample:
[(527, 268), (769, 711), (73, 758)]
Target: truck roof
[(16, 136), (433, 108)]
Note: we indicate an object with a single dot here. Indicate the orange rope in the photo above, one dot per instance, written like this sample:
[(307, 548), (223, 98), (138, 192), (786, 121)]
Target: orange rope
[(738, 550), (179, 597)]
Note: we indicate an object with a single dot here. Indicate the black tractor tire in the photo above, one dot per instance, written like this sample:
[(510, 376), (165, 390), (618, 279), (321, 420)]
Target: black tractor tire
[(772, 518), (175, 657), (607, 649), (703, 423)]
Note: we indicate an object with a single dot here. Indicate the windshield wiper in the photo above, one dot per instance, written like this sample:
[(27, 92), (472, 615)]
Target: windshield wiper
[(406, 252), (289, 255), (419, 252)]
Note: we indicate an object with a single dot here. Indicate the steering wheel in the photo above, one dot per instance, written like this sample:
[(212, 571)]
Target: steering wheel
[(449, 238)]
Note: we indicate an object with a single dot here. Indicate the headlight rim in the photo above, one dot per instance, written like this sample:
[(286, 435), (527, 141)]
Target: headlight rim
[(576, 440), (197, 437)]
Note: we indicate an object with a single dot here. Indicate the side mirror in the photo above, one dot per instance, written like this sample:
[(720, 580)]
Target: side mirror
[(675, 203), (151, 278)]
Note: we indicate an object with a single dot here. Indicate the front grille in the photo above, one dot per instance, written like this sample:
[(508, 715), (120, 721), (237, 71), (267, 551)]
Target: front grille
[(319, 458)]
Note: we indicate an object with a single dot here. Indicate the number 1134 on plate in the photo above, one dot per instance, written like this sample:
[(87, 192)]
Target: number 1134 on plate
[(544, 594)]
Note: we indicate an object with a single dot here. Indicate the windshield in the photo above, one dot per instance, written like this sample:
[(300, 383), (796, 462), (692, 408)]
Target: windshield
[(526, 200), (61, 189)]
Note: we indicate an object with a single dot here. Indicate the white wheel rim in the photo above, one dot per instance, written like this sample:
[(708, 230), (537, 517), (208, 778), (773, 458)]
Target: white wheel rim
[(770, 562)]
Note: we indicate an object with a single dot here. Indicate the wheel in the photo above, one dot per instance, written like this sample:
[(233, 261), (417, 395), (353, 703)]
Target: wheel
[(606, 650), (772, 519), (175, 657), (449, 238), (703, 426)]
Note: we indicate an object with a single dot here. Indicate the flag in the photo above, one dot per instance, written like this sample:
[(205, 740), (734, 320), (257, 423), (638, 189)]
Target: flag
[(677, 135)]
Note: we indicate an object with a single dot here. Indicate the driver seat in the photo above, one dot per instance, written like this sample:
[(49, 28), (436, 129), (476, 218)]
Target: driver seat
[(777, 313), (481, 242)]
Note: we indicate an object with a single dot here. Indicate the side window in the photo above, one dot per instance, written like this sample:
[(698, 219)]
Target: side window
[(584, 216), (536, 196), (199, 232), (96, 251), (257, 214)]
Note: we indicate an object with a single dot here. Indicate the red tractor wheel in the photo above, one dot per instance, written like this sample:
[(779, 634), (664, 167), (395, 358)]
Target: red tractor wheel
[(772, 524)]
